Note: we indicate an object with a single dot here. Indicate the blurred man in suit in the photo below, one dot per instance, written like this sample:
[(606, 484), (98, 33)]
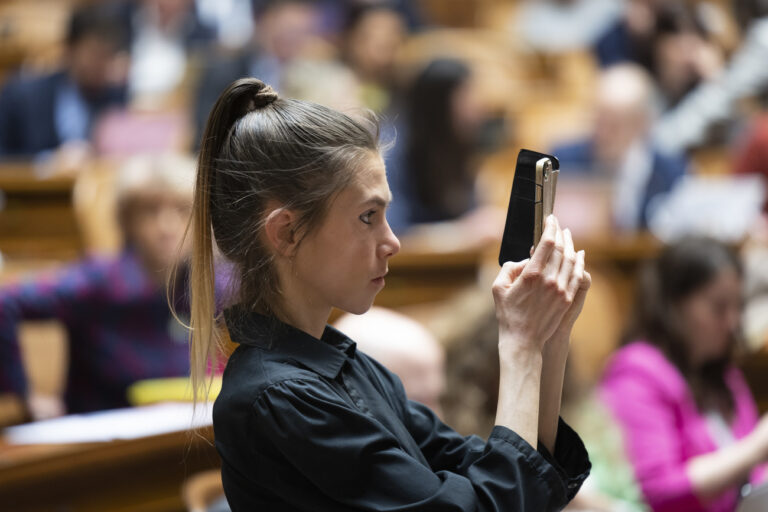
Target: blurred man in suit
[(41, 112), (619, 148)]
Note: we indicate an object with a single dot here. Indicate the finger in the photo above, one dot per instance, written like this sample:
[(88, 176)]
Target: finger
[(569, 260), (556, 258), (509, 272), (546, 245), (577, 275)]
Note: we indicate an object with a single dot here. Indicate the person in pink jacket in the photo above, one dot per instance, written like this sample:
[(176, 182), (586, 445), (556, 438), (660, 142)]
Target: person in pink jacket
[(690, 425)]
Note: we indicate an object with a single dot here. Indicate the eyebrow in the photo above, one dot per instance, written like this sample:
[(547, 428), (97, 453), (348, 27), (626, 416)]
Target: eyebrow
[(378, 200)]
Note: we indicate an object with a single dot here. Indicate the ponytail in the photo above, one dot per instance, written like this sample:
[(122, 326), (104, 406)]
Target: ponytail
[(238, 99), (258, 148)]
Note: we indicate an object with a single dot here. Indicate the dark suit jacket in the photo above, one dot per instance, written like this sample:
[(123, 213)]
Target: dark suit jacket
[(217, 74), (27, 112), (666, 170)]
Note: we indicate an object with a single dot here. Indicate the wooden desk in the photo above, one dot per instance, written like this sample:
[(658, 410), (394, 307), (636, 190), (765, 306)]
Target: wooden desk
[(37, 219), (417, 277), (142, 475)]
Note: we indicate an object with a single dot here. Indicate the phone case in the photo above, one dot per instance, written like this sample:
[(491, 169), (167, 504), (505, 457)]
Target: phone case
[(531, 201)]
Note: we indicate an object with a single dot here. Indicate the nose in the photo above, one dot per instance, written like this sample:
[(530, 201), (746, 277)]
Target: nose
[(390, 245)]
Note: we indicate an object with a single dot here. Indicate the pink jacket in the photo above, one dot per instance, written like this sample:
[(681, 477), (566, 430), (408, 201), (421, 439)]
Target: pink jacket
[(663, 428)]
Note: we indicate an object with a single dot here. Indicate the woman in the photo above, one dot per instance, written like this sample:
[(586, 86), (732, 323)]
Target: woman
[(432, 167), (295, 196), (690, 423)]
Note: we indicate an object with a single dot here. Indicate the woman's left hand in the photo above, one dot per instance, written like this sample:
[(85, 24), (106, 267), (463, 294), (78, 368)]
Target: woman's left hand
[(579, 281)]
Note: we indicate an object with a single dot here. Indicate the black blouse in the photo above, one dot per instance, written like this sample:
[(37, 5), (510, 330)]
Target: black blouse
[(316, 425)]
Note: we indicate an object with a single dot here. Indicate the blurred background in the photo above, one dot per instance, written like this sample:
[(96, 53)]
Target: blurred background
[(656, 109)]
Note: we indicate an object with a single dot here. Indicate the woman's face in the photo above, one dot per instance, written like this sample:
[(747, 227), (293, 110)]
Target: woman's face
[(712, 316), (342, 264)]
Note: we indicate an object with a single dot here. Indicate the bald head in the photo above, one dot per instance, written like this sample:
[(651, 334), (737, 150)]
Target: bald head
[(623, 110), (405, 347)]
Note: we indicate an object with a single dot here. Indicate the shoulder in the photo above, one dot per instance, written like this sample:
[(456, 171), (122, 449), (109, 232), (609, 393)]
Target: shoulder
[(642, 363), (669, 165), (574, 154), (32, 85), (250, 373)]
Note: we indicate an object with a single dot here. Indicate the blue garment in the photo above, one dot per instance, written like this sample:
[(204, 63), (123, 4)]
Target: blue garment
[(30, 106), (666, 169), (614, 46)]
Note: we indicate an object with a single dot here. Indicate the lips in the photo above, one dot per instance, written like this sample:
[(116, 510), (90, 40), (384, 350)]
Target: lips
[(380, 276)]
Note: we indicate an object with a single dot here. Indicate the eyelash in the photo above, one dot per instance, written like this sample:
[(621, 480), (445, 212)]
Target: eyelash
[(368, 215)]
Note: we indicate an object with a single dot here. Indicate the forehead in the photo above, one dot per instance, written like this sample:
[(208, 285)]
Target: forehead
[(370, 181)]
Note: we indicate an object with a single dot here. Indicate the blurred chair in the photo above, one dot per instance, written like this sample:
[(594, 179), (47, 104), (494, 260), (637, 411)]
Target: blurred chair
[(203, 492)]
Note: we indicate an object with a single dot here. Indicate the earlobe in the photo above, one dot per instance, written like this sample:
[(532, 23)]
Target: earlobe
[(278, 227)]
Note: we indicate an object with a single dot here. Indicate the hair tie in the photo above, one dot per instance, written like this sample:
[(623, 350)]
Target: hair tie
[(263, 96)]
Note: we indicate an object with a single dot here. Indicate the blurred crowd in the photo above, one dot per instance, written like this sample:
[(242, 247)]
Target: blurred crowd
[(658, 114)]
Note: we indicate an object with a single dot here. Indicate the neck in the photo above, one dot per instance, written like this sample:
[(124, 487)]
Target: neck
[(301, 306)]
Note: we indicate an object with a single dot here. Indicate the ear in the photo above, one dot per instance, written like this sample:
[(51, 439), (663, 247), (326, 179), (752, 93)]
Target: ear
[(279, 228)]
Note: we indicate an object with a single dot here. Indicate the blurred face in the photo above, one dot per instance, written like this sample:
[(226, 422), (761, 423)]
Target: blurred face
[(468, 113), (155, 224), (342, 264), (616, 127), (94, 65), (676, 63), (712, 316), (285, 31), (374, 42)]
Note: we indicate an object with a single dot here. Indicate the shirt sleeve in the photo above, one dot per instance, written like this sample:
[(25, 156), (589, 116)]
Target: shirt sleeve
[(353, 459), (653, 444), (45, 297), (446, 449)]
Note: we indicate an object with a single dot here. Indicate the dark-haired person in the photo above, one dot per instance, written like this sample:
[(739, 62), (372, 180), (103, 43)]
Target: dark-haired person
[(372, 36), (433, 166), (40, 112), (690, 424), (295, 196), (285, 30)]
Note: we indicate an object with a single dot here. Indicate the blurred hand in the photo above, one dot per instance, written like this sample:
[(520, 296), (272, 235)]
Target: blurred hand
[(43, 407), (760, 437), (538, 297)]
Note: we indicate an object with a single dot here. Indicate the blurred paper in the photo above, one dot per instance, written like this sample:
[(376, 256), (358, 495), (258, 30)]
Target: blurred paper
[(723, 207), (131, 423)]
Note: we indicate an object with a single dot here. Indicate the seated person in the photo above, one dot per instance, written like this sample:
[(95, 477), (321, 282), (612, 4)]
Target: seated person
[(690, 424), (433, 165), (373, 34), (285, 30), (40, 112), (165, 33), (619, 150), (114, 309)]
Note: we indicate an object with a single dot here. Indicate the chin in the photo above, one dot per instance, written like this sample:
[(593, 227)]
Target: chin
[(357, 308)]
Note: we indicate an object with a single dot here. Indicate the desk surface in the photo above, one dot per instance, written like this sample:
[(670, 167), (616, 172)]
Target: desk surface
[(138, 475)]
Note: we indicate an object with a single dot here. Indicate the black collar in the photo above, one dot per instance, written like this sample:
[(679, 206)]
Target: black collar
[(325, 356)]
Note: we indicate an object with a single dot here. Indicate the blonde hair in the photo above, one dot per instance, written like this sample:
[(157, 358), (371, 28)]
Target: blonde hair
[(143, 175)]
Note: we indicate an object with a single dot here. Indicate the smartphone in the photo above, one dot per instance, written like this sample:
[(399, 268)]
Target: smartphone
[(532, 200)]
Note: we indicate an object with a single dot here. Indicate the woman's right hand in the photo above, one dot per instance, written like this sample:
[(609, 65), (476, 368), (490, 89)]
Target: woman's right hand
[(532, 296)]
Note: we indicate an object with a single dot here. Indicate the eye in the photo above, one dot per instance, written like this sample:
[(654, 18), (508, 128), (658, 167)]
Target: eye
[(366, 217)]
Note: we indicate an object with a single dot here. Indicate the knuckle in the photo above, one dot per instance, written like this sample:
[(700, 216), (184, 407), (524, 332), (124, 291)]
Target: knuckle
[(548, 242), (532, 275)]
